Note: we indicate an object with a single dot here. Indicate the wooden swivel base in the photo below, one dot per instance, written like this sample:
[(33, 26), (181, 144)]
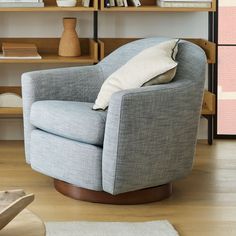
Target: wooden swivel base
[(136, 197)]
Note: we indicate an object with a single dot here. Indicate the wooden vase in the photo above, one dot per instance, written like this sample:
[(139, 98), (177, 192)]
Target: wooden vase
[(69, 45)]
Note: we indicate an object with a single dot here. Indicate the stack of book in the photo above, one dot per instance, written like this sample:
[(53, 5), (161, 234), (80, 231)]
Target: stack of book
[(122, 3), (185, 3), (21, 3), (19, 51)]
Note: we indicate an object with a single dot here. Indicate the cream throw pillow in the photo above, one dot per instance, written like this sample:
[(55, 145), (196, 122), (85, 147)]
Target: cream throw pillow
[(140, 69)]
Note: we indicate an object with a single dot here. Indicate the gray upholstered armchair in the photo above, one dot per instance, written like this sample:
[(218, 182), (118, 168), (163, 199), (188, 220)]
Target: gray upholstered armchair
[(127, 154)]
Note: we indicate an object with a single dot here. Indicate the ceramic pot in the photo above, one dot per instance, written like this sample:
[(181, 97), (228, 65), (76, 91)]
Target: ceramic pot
[(69, 44)]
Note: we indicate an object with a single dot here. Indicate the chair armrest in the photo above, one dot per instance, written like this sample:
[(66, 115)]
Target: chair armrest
[(150, 135), (73, 84)]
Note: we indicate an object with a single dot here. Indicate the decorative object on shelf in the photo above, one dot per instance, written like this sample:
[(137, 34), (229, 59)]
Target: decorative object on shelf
[(185, 3), (10, 100), (69, 44), (12, 202), (66, 3), (21, 3), (19, 51)]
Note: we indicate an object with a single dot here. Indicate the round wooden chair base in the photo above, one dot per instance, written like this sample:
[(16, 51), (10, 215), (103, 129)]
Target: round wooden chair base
[(136, 197)]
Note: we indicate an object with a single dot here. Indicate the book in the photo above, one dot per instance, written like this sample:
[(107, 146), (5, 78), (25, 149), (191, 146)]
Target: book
[(136, 3), (119, 3), (86, 3), (21, 4), (20, 58), (107, 3), (112, 3), (13, 46), (125, 3), (19, 50), (194, 4)]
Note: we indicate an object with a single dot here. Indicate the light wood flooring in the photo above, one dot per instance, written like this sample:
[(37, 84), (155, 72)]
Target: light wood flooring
[(202, 204)]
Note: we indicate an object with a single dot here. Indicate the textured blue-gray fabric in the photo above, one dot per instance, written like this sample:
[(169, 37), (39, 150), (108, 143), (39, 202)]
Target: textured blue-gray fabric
[(69, 84), (66, 160), (73, 120), (150, 132)]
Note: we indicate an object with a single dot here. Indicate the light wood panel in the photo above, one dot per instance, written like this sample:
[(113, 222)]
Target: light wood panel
[(51, 6), (208, 106), (10, 89), (208, 47), (202, 204), (11, 205), (48, 49), (150, 6), (11, 112)]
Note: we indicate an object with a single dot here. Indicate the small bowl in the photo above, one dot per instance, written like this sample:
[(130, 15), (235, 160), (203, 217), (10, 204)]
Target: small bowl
[(66, 3)]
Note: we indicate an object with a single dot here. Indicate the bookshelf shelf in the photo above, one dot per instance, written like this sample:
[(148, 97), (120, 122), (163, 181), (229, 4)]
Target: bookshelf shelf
[(150, 6), (48, 49), (48, 9), (51, 58), (51, 6), (11, 112)]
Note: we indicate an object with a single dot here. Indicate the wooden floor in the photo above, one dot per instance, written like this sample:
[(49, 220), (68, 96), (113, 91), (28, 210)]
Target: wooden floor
[(204, 203)]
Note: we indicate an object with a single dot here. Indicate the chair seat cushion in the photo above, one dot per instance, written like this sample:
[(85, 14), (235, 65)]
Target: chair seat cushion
[(73, 120)]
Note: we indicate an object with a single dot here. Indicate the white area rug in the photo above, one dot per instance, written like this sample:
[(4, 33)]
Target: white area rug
[(152, 228)]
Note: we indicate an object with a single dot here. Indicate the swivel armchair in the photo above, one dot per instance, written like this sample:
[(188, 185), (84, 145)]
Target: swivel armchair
[(128, 154)]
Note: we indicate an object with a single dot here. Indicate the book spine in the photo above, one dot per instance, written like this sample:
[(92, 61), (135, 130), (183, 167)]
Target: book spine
[(136, 3), (112, 3), (125, 3), (107, 3), (119, 3), (86, 3)]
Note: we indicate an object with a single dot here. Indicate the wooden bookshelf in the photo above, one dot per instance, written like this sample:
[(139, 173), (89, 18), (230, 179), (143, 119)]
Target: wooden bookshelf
[(150, 6), (48, 49), (108, 45), (11, 112), (51, 6)]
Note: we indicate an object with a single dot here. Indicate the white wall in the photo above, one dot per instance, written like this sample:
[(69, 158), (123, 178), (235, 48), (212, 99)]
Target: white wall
[(110, 25)]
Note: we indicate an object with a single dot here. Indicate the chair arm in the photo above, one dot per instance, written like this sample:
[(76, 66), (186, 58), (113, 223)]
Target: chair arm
[(74, 84), (150, 135)]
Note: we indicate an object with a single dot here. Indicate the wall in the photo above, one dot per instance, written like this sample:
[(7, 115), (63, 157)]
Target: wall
[(110, 25)]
